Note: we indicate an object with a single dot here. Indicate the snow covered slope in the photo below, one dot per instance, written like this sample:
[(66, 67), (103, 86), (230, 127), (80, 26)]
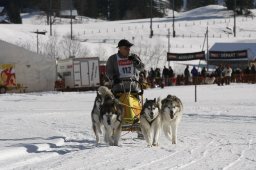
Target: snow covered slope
[(99, 38)]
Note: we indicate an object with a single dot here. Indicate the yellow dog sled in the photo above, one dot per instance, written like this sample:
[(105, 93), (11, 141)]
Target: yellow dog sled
[(132, 103)]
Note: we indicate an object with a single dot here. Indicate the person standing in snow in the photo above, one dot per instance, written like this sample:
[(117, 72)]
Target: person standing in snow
[(194, 73), (227, 73), (187, 75)]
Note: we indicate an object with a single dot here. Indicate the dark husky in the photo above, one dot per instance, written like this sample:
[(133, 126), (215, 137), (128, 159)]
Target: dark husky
[(111, 117), (171, 112), (95, 116), (150, 121), (102, 92)]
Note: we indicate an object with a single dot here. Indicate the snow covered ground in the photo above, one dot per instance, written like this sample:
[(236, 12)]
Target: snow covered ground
[(52, 130)]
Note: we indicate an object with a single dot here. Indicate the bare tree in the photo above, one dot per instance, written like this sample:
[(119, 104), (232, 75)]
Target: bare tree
[(70, 47), (159, 54), (153, 55), (51, 48), (85, 52), (101, 52)]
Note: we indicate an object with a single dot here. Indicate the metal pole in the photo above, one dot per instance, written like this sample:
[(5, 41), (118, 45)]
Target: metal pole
[(71, 31), (168, 44), (48, 13), (108, 10), (207, 57), (151, 28), (50, 17), (37, 44), (196, 91), (173, 17), (234, 18)]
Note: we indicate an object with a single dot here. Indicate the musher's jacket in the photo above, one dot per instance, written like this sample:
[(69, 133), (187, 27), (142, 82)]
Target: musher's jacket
[(121, 69)]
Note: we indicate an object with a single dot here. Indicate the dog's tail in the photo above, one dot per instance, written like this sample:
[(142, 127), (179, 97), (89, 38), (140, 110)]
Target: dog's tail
[(104, 91)]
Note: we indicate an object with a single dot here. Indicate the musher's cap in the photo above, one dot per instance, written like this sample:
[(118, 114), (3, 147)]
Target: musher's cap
[(124, 43)]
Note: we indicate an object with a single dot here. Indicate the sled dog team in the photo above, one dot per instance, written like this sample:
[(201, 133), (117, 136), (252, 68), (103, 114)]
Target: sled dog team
[(156, 115)]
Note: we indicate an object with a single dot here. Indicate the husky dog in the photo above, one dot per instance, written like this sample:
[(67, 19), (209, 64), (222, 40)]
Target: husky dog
[(171, 112), (209, 80), (150, 121), (95, 114), (111, 114)]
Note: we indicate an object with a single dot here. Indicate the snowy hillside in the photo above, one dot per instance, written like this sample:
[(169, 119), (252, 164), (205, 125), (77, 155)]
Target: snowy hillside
[(53, 131), (99, 38)]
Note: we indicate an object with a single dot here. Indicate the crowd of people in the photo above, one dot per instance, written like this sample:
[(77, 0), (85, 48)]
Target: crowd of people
[(222, 75)]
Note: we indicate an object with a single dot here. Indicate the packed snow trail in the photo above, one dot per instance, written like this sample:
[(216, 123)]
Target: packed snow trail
[(53, 131)]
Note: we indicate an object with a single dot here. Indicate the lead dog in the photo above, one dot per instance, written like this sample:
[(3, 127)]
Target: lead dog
[(102, 92), (150, 121), (171, 111), (111, 117)]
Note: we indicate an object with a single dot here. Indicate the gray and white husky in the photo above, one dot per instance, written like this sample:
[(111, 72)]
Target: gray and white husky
[(171, 111), (150, 121), (111, 114), (102, 92)]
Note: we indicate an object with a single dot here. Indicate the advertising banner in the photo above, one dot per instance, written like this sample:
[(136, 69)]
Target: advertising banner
[(186, 56)]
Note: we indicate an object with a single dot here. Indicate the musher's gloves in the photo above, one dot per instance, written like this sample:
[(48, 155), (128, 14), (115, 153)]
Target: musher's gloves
[(135, 59)]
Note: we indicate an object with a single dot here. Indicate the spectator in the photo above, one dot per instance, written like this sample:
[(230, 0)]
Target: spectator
[(253, 69), (166, 76), (203, 72), (227, 73), (247, 73), (253, 73), (158, 77), (151, 77), (219, 73), (187, 75), (171, 76), (171, 72), (194, 73), (237, 74)]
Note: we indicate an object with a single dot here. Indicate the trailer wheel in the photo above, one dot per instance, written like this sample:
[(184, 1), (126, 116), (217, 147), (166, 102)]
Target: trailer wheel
[(2, 89)]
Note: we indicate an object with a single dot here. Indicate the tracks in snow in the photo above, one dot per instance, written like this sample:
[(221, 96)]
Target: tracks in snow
[(27, 153)]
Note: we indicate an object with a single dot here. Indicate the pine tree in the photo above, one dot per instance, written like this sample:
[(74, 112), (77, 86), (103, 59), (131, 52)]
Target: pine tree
[(199, 3), (177, 4), (13, 11), (241, 5)]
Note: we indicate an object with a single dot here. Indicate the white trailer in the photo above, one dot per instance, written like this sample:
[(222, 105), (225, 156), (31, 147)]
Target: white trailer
[(79, 73)]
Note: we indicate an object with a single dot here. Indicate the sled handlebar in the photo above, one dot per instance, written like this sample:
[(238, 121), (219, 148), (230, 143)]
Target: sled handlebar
[(134, 80)]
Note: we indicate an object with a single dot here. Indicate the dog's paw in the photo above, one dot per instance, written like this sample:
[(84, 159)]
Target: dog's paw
[(155, 144), (149, 146)]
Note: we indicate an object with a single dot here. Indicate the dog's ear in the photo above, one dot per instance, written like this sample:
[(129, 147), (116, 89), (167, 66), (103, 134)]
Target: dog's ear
[(163, 101), (169, 96), (146, 99), (154, 100), (99, 93)]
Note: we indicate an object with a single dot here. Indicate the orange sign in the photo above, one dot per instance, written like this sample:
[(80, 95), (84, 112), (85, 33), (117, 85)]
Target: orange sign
[(7, 75)]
